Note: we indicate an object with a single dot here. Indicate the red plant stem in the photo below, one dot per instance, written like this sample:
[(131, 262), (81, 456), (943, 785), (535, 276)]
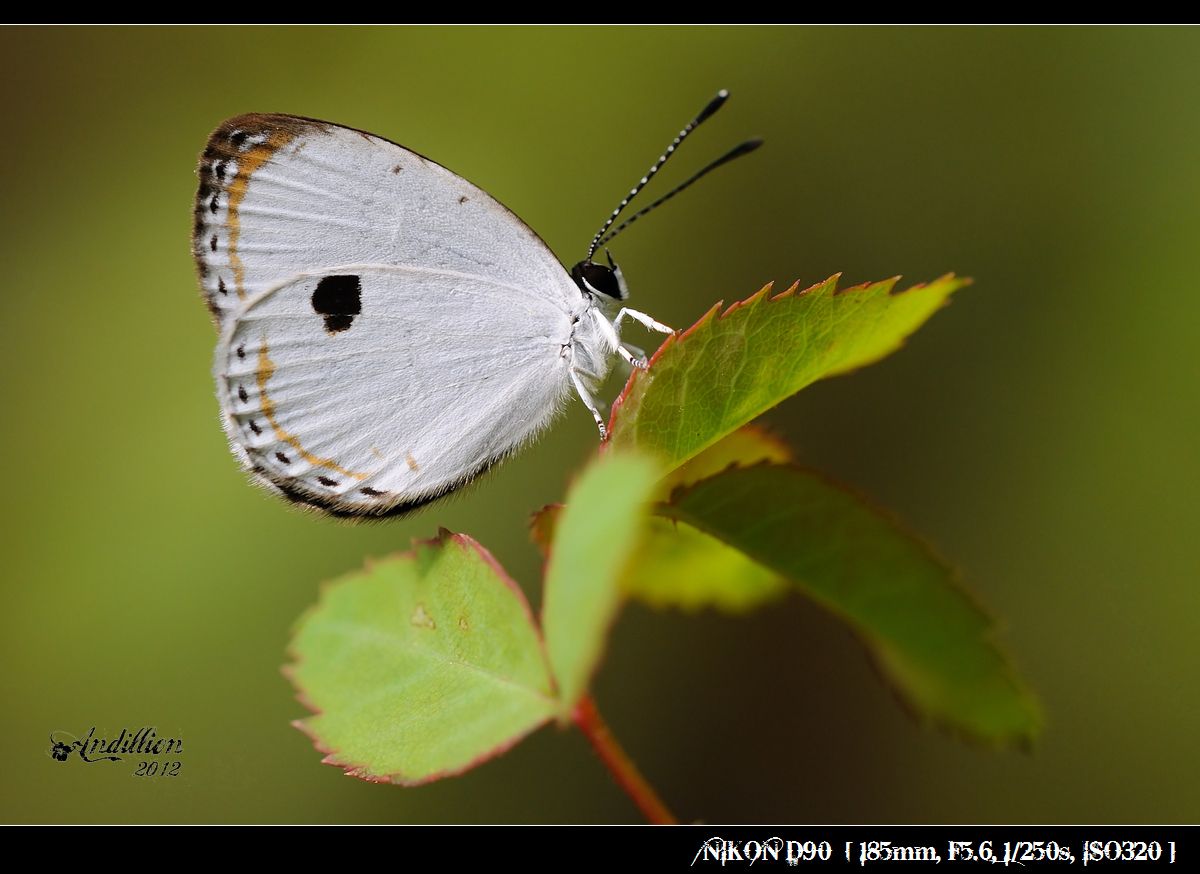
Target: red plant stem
[(622, 768)]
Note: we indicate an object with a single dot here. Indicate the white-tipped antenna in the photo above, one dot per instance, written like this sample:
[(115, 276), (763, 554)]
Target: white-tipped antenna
[(736, 152), (712, 107)]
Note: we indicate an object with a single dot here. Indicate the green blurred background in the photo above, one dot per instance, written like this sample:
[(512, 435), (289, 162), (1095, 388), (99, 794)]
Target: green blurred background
[(1041, 431)]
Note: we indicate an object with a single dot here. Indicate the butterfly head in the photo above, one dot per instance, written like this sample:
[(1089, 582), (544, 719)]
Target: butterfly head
[(598, 279)]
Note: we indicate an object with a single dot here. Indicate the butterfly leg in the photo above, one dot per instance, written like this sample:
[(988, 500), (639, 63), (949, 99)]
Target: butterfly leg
[(609, 329), (589, 402), (637, 351), (642, 319)]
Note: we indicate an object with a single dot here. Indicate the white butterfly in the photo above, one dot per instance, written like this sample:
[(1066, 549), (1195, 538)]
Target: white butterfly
[(388, 330)]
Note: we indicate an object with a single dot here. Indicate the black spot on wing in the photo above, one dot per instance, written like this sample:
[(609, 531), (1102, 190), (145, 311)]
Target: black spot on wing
[(339, 300), (338, 323)]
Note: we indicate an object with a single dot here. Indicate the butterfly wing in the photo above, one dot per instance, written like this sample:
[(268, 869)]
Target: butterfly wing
[(280, 195), (388, 329), (371, 389)]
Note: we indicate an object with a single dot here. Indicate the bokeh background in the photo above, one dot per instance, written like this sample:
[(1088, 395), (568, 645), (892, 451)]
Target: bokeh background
[(1041, 431)]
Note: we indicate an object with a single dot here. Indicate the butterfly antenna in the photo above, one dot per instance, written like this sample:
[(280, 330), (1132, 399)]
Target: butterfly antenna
[(705, 114), (736, 152)]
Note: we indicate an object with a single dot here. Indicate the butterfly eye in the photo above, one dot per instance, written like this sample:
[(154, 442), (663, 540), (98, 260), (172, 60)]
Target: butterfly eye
[(598, 279)]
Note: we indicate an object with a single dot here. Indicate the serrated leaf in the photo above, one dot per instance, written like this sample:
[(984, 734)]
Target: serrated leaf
[(678, 566), (930, 639), (728, 369), (744, 447), (593, 541), (674, 564), (422, 665)]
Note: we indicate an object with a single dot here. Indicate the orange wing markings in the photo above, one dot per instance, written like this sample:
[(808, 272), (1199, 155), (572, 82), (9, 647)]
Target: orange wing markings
[(236, 150), (266, 369), (247, 164)]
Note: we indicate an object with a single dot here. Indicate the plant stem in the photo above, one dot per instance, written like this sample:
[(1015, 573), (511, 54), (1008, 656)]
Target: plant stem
[(622, 768)]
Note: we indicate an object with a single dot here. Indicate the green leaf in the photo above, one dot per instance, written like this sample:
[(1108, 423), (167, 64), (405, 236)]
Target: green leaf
[(927, 635), (675, 565), (593, 541), (421, 666), (678, 566), (744, 447), (728, 369)]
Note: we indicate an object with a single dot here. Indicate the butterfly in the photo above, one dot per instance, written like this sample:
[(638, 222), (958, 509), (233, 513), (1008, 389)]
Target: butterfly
[(388, 330)]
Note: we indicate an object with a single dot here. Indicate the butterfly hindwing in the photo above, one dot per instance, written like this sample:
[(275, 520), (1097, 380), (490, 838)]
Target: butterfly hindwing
[(368, 389)]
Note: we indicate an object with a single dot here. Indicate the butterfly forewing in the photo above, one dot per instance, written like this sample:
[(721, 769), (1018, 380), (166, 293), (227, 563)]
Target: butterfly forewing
[(387, 328), (281, 195)]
